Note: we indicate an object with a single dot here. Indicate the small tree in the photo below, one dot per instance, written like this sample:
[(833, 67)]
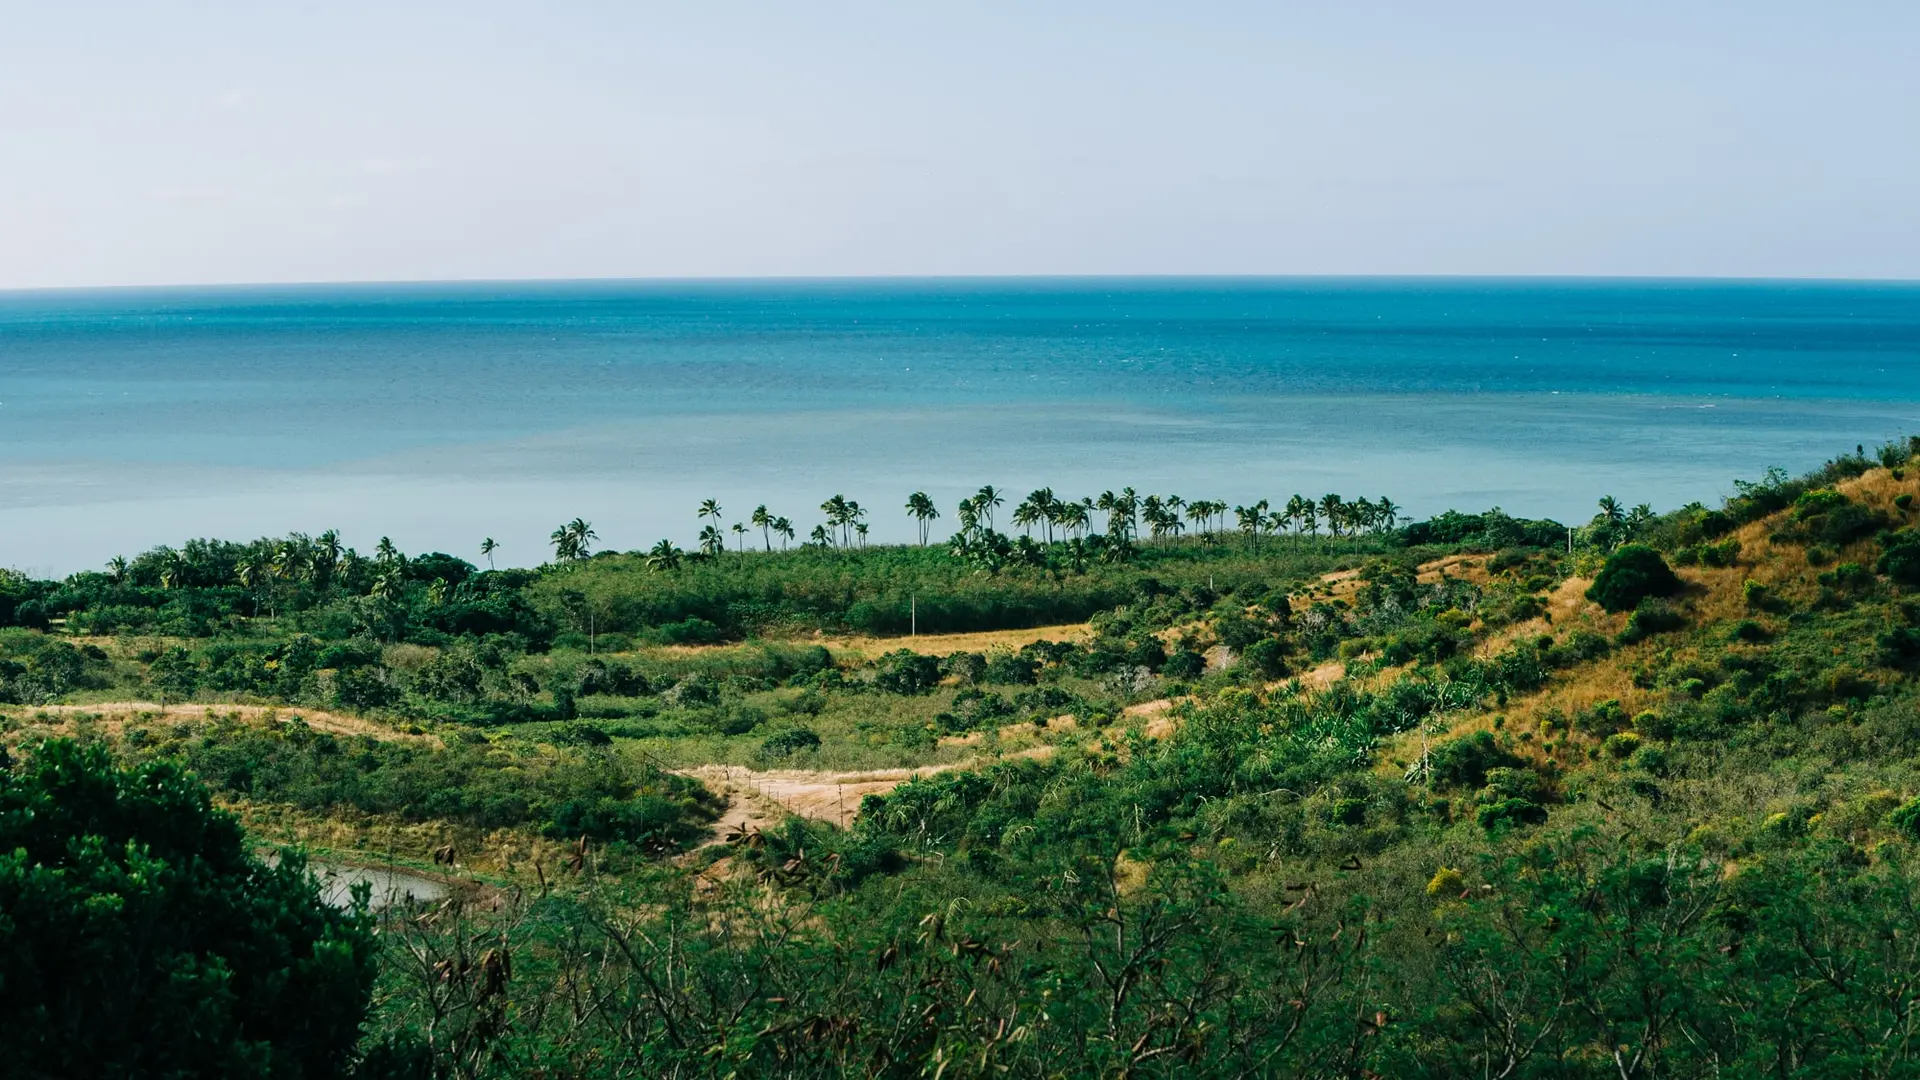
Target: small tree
[(1632, 574), (140, 937)]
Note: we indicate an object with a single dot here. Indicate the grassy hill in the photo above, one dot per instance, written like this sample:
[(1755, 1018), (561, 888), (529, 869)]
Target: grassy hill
[(1458, 801)]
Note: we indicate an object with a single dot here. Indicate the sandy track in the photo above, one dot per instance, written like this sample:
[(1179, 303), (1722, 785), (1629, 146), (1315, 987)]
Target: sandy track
[(757, 800), (118, 714)]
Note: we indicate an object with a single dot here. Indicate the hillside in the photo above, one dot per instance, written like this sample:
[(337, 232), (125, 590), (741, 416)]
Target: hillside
[(1455, 801)]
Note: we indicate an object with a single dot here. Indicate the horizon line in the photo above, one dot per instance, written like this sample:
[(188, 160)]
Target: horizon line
[(745, 279)]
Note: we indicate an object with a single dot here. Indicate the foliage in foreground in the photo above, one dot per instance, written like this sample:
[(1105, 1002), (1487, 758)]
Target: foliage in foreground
[(140, 937)]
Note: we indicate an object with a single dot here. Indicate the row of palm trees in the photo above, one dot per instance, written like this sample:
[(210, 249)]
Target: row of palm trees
[(1126, 511), (1164, 516)]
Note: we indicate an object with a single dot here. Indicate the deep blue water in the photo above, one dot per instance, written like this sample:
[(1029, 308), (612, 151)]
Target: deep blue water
[(440, 413)]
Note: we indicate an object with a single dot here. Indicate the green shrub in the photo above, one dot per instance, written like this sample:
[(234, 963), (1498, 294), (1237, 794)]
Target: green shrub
[(1632, 574), (1905, 818), (139, 935), (1600, 720), (1621, 745), (1185, 664), (1653, 616), (1654, 725), (1723, 554), (1899, 647), (1266, 658), (1464, 761), (1900, 557), (790, 741), (908, 673)]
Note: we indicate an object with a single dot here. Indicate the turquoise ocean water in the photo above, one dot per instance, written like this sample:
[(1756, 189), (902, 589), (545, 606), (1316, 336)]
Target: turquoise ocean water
[(439, 414)]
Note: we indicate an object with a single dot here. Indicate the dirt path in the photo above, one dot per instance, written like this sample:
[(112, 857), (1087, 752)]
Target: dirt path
[(115, 715), (758, 800)]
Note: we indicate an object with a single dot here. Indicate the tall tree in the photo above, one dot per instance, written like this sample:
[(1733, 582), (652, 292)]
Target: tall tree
[(985, 501), (1331, 508), (764, 522), (487, 548), (784, 527), (740, 537), (1388, 511), (923, 512), (664, 556), (710, 508)]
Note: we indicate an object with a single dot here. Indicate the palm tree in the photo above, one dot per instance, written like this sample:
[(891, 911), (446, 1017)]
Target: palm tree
[(583, 537), (386, 552), (573, 541), (785, 528), (389, 584), (1130, 505), (1074, 517), (710, 509), (1389, 513), (764, 522), (969, 518), (820, 537), (289, 559), (1026, 516), (487, 548), (739, 537), (1310, 517), (839, 514), (1330, 508), (326, 553), (176, 570), (1249, 521), (923, 512), (711, 541), (984, 502), (664, 556), (1611, 510), (117, 569), (1639, 518), (860, 530)]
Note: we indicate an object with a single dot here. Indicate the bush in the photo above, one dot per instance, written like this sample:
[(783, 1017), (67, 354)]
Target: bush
[(1465, 761), (1652, 617), (1828, 517), (1900, 647), (1621, 745), (1633, 573), (790, 741), (1900, 557), (141, 937), (1185, 664), (1266, 658), (908, 673), (1905, 819), (1011, 669)]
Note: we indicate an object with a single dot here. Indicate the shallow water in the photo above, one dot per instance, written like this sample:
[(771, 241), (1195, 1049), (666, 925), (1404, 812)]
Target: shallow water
[(389, 887), (439, 414)]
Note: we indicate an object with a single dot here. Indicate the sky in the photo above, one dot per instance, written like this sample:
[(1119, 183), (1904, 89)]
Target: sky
[(149, 143)]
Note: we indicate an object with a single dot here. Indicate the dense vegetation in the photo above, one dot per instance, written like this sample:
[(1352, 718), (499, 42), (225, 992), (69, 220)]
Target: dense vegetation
[(1475, 795)]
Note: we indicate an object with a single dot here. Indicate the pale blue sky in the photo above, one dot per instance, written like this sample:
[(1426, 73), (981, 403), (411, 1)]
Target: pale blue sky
[(217, 142)]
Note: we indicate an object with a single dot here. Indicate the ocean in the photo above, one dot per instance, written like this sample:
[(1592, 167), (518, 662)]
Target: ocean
[(439, 414)]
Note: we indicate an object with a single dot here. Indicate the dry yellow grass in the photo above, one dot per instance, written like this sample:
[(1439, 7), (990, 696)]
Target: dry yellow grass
[(112, 717), (868, 647), (1714, 595)]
